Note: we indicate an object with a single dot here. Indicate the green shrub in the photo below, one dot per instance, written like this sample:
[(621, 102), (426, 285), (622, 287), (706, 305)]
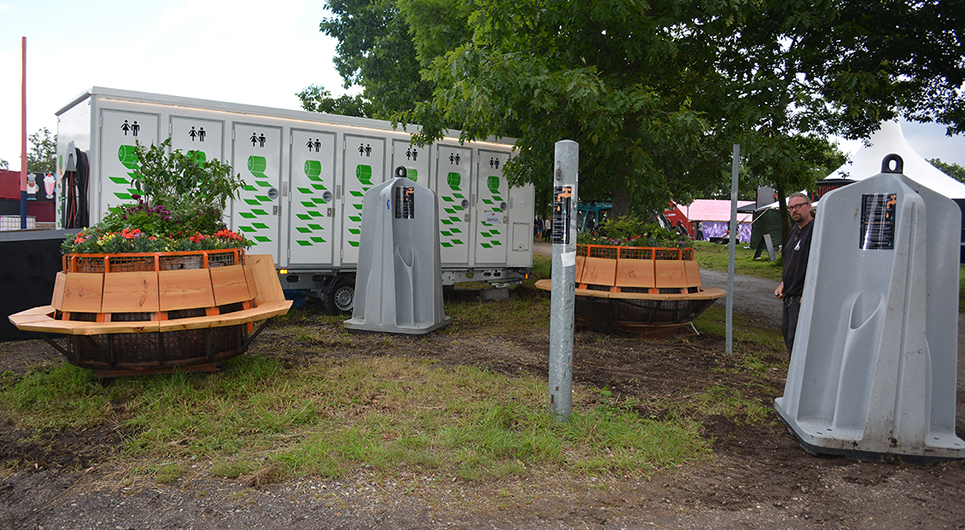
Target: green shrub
[(632, 232)]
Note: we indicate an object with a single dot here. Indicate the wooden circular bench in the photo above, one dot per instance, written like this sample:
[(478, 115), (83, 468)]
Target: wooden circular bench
[(650, 291), (142, 313)]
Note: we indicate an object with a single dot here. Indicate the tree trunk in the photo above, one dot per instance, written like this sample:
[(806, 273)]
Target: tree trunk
[(621, 202)]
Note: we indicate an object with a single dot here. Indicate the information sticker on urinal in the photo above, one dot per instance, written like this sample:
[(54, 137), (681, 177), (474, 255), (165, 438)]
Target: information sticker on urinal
[(878, 221), (404, 202)]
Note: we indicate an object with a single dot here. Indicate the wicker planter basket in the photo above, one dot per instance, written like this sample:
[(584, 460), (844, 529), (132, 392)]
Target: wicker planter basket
[(645, 290), (127, 314)]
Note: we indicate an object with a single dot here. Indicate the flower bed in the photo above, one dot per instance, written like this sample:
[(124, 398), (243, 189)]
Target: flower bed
[(140, 228), (180, 201)]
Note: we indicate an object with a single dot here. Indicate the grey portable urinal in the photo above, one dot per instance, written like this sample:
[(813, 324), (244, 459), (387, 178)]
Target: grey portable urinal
[(873, 366), (398, 287)]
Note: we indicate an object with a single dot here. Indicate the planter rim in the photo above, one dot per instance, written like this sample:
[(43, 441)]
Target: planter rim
[(70, 260), (626, 252)]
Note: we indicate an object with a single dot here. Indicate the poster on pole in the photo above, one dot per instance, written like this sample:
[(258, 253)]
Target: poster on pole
[(562, 211)]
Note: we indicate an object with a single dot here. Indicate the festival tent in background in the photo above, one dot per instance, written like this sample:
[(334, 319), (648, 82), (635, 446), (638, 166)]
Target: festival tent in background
[(890, 140), (710, 218), (887, 140)]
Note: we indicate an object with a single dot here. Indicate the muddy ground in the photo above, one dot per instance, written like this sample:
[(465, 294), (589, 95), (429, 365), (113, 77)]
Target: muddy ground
[(758, 477)]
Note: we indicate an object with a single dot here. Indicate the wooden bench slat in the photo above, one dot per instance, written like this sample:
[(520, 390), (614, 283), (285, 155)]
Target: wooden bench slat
[(57, 300), (184, 289), (670, 273), (693, 273), (262, 312), (43, 322), (266, 279), (230, 285), (34, 314), (82, 292), (636, 273), (130, 292), (599, 271)]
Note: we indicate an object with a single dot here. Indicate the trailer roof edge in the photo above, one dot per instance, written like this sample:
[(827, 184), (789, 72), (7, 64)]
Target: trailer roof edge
[(256, 110)]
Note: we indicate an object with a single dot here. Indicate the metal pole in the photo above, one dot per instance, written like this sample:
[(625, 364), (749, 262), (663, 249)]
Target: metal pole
[(563, 293), (23, 143), (732, 250)]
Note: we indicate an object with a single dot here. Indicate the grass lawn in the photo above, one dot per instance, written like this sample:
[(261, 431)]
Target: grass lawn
[(713, 256)]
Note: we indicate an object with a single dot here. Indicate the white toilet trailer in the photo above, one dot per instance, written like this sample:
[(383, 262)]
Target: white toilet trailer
[(305, 176), (874, 364)]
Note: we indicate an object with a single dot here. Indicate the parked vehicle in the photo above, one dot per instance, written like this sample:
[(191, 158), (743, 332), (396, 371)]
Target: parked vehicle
[(590, 215), (306, 174)]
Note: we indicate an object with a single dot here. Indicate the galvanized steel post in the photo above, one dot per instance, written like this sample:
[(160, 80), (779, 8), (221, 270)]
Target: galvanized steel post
[(731, 251), (563, 294)]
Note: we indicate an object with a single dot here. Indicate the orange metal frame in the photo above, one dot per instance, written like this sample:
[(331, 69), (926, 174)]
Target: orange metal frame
[(70, 265), (70, 260), (643, 268)]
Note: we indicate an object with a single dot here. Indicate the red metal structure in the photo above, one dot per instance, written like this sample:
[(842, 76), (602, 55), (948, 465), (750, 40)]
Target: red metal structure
[(42, 210)]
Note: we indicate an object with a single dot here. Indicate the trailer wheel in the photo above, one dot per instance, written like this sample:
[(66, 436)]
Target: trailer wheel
[(341, 296)]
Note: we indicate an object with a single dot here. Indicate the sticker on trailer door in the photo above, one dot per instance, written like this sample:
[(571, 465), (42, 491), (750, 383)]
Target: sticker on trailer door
[(201, 137), (878, 221), (364, 168), (493, 218), (257, 156), (493, 236), (453, 188), (413, 158), (121, 132), (312, 202)]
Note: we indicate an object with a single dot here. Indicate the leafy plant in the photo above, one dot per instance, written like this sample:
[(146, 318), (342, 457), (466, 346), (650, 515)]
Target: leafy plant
[(630, 231), (181, 209), (185, 179)]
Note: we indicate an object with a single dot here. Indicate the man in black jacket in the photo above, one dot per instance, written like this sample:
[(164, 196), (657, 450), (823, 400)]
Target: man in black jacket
[(796, 252)]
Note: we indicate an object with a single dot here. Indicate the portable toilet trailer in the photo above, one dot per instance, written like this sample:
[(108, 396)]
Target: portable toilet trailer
[(305, 175), (874, 363)]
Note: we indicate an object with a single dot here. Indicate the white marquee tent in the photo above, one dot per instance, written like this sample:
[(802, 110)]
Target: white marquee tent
[(887, 140)]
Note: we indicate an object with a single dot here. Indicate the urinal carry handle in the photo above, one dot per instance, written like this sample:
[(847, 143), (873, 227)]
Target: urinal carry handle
[(886, 164)]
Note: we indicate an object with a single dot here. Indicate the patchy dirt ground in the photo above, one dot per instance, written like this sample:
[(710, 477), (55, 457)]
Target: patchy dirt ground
[(759, 477)]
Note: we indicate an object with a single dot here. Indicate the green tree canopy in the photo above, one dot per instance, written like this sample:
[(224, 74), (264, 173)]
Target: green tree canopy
[(656, 93), (376, 52), (42, 157), (955, 171), (316, 99)]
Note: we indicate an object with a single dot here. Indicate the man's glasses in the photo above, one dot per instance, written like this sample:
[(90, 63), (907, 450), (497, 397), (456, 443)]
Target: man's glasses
[(796, 206)]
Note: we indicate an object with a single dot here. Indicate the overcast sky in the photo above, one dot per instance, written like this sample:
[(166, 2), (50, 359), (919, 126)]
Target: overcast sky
[(239, 51), (257, 52)]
